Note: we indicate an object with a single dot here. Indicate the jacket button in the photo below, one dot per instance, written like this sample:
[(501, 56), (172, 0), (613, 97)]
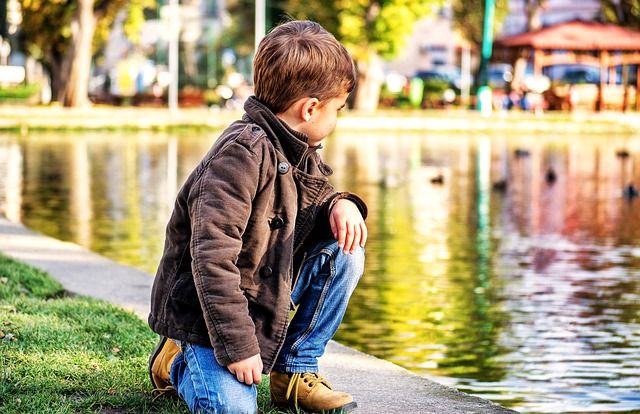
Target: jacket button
[(255, 129), (283, 167), (266, 272), (277, 222)]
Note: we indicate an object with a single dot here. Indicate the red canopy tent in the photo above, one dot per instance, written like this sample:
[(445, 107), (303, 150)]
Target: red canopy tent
[(604, 45)]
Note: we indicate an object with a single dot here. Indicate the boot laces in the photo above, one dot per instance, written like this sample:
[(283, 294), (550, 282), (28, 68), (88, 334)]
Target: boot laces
[(310, 378), (160, 392)]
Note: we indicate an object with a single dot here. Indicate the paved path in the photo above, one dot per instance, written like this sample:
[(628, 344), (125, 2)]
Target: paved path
[(102, 118), (378, 386)]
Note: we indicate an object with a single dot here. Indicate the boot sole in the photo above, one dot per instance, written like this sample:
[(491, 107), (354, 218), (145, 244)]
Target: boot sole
[(153, 357), (347, 408)]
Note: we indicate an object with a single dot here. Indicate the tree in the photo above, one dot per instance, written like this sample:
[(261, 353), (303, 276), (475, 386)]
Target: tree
[(372, 30), (239, 34), (324, 12), (468, 17), (622, 12), (468, 20), (533, 10), (64, 34)]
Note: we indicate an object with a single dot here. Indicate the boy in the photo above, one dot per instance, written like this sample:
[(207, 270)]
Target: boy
[(257, 230)]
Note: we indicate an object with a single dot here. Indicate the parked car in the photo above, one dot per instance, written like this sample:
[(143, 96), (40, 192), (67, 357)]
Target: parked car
[(500, 75), (573, 74), (441, 86)]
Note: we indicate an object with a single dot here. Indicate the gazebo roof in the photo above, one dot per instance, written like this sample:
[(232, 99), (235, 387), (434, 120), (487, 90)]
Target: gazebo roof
[(576, 35)]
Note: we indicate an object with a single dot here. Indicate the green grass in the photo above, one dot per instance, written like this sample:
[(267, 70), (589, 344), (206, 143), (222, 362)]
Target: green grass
[(74, 354), (19, 92)]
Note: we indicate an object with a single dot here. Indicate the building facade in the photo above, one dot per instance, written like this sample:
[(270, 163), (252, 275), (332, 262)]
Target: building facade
[(435, 45), (553, 12)]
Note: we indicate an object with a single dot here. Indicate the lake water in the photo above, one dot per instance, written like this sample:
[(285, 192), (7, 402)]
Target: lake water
[(525, 292)]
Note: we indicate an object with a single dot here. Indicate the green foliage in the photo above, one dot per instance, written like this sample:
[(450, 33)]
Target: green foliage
[(324, 12), (468, 17), (73, 354), (46, 25), (46, 31), (240, 33), (622, 12), (437, 86), (20, 92), (364, 26), (135, 18)]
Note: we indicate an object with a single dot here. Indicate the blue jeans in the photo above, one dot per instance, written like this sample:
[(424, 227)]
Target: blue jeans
[(325, 284)]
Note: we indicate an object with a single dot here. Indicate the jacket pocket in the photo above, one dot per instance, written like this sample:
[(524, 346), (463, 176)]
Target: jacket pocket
[(184, 290), (185, 312)]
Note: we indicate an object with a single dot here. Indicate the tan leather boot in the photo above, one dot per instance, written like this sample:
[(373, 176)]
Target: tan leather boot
[(308, 392), (160, 365)]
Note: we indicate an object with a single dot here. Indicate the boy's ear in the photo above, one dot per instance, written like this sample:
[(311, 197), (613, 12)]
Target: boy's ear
[(309, 108)]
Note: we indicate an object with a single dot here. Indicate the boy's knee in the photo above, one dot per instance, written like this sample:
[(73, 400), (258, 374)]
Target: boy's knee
[(240, 406), (230, 406), (351, 264), (356, 261)]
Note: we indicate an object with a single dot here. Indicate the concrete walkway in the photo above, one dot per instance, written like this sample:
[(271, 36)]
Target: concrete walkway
[(378, 386), (101, 118)]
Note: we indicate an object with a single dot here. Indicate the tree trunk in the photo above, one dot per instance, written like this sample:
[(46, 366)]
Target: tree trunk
[(519, 70), (78, 57), (370, 78), (534, 10), (54, 64)]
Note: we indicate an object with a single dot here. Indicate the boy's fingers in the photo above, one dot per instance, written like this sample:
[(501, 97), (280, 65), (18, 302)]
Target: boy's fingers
[(349, 238), (257, 376), (357, 235), (365, 232), (332, 223), (342, 230), (240, 375)]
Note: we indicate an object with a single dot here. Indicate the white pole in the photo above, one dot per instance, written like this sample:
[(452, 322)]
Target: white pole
[(174, 34), (466, 76), (260, 24)]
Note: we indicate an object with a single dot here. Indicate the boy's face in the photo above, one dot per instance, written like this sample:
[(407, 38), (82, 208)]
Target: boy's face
[(323, 121)]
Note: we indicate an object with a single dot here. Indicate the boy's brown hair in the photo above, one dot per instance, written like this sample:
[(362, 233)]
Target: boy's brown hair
[(299, 59)]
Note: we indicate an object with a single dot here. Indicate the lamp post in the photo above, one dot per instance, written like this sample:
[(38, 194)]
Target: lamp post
[(174, 34), (260, 22), (484, 91)]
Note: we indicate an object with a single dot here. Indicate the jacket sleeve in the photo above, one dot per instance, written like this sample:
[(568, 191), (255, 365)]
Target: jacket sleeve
[(322, 228), (219, 208), (354, 198)]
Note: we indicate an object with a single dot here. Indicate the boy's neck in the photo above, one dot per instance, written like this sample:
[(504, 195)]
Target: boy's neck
[(296, 123), (291, 121)]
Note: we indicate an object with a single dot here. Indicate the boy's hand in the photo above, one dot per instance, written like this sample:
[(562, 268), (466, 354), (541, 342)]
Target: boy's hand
[(248, 371), (347, 225)]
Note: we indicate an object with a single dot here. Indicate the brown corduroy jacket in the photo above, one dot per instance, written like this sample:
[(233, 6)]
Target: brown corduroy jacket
[(240, 222)]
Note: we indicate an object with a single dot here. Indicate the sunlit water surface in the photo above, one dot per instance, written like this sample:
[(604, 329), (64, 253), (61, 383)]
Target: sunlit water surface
[(526, 292)]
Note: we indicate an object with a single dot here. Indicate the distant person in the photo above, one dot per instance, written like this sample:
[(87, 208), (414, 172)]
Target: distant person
[(256, 231)]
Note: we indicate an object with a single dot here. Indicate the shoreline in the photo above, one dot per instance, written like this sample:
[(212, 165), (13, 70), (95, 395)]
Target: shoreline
[(23, 119), (83, 272)]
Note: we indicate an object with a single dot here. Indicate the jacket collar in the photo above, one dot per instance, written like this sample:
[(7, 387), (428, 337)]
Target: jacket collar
[(292, 143)]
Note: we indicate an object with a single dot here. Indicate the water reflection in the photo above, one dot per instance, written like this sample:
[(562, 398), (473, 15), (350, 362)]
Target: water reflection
[(109, 193), (482, 271)]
